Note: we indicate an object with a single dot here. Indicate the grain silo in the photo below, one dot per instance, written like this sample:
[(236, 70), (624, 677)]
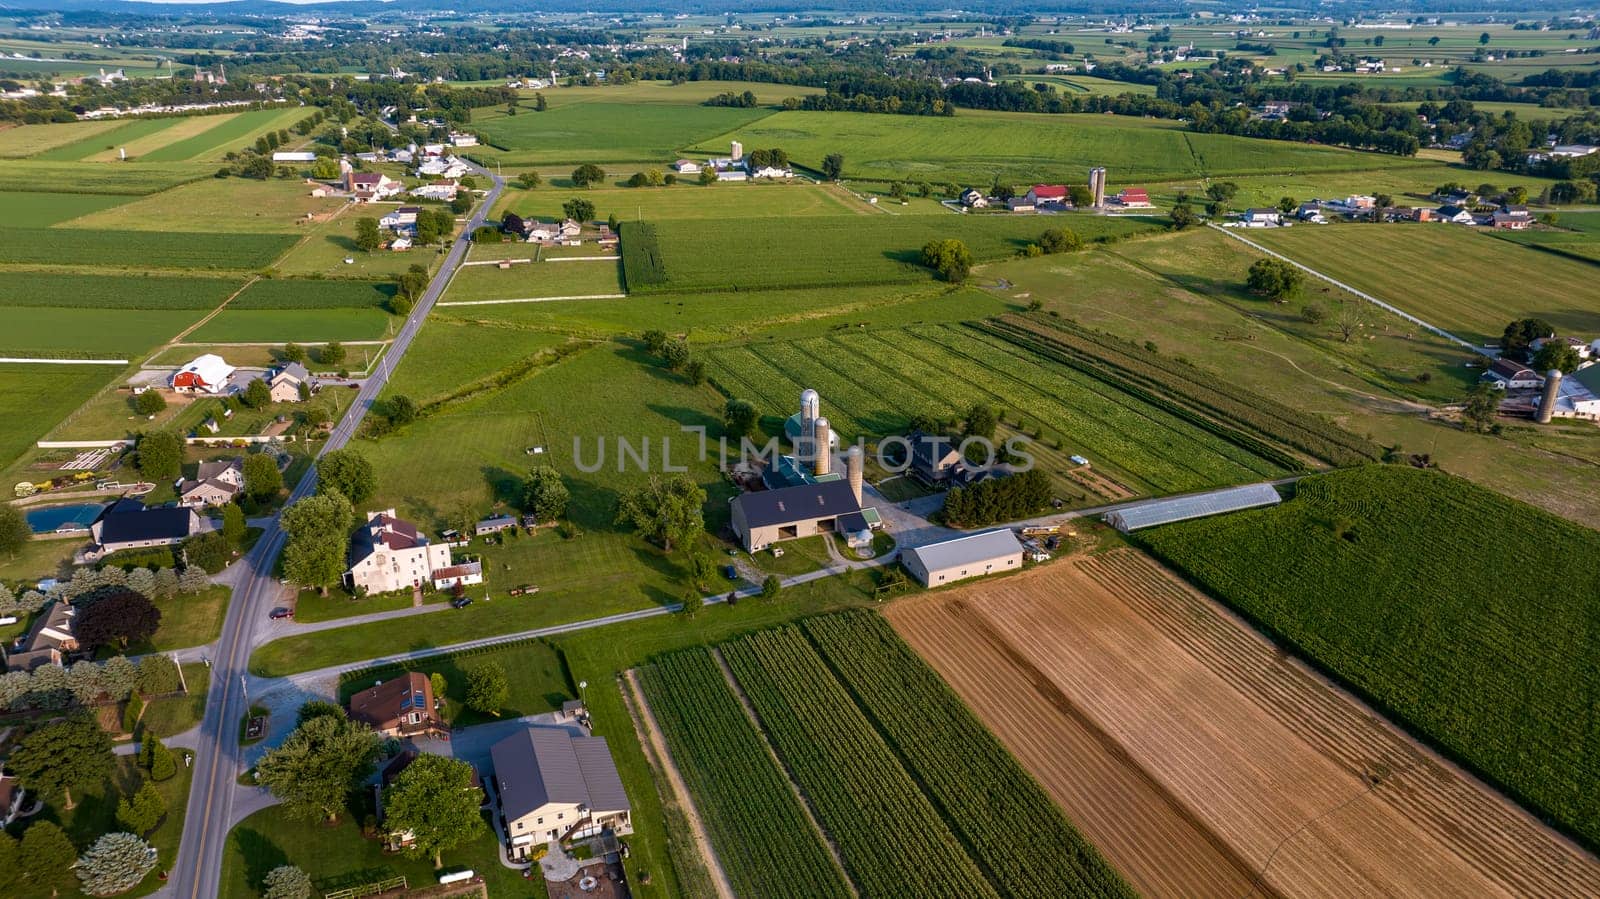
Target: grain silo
[(821, 447), (1547, 402), (810, 409), (736, 151), (1097, 185), (852, 470)]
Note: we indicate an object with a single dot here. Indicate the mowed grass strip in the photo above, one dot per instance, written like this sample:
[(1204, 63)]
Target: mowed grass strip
[(126, 132), (22, 141), (34, 397), (834, 251), (1447, 275), (131, 179), (60, 290), (147, 249), (217, 204), (1478, 639), (682, 201), (581, 278), (300, 325), (87, 332)]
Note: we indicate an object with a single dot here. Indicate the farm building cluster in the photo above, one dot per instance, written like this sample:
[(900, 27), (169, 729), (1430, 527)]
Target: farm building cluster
[(1051, 198), (1552, 394), (767, 165), (1456, 207)]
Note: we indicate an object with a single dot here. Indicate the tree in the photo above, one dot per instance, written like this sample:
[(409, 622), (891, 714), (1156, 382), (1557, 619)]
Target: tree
[(1382, 201), (1556, 354), (286, 882), (578, 209), (1483, 39), (233, 525), (487, 688), (1060, 240), (319, 765), (46, 857), (833, 166), (62, 755), (209, 550), (1519, 334), (1181, 216), (1352, 318), (256, 394), (149, 403), (348, 473), (666, 510), (545, 494), (1314, 313), (695, 371), (435, 801), (675, 353), (115, 864), (14, 530), (10, 869), (160, 455), (588, 175), (159, 761), (771, 586), (293, 352), (540, 104), (158, 674), (739, 417), (262, 479), (1222, 190), (654, 341), (708, 176), (1287, 205), (368, 237), (949, 257), (400, 410), (317, 528), (141, 812), (529, 180), (981, 422), (1482, 407), (118, 616), (437, 682), (1275, 279), (331, 354)]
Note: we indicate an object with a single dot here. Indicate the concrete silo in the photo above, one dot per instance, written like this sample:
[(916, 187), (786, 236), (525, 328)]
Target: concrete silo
[(1547, 401), (821, 440), (1097, 185), (853, 470)]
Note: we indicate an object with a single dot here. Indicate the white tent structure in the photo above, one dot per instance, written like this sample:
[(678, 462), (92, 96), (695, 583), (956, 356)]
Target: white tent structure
[(1197, 505)]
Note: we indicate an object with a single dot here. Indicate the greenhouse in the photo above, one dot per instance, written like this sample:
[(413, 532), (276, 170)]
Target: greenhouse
[(1196, 505)]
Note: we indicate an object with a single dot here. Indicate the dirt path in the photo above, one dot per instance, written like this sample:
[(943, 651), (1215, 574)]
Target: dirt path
[(645, 721)]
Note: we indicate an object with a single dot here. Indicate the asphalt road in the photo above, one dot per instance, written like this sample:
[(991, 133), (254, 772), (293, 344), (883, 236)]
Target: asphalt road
[(198, 872)]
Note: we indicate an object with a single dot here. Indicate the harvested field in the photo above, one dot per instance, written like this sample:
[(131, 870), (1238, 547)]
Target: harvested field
[(1202, 761)]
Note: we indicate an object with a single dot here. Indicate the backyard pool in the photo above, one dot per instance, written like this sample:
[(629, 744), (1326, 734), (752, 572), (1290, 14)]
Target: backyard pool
[(49, 519)]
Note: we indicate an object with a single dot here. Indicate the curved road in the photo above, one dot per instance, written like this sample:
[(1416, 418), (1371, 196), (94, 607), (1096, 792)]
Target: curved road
[(198, 872)]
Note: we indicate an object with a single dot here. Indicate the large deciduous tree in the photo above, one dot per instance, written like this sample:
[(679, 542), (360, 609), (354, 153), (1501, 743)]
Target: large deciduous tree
[(666, 510), (949, 257), (45, 857), (1558, 355), (116, 616), (318, 527), (588, 175), (487, 688), (1274, 279), (319, 765), (435, 801), (14, 530), (348, 473), (368, 237), (64, 754), (739, 417), (160, 455), (262, 478), (545, 494)]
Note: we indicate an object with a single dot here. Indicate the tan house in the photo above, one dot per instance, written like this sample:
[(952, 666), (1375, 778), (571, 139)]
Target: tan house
[(973, 555), (285, 383), (553, 784), (49, 642), (389, 554), (402, 707), (215, 484)]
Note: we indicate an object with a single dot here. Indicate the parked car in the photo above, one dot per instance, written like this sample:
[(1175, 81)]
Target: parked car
[(280, 613), (461, 602), (730, 572)]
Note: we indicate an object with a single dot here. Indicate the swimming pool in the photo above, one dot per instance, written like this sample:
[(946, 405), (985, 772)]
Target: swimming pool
[(49, 519)]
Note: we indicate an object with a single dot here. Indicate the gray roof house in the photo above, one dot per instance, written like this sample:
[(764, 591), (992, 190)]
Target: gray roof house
[(552, 784), (215, 484), (285, 382)]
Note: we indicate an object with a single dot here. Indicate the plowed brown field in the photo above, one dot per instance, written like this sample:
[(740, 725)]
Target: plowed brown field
[(1204, 762)]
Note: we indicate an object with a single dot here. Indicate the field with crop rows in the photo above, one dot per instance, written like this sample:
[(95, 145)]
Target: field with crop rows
[(872, 383), (1468, 616), (21, 141), (757, 826), (145, 249), (284, 293), (63, 291), (603, 132), (302, 325), (127, 131), (132, 179), (41, 210), (835, 251), (232, 133)]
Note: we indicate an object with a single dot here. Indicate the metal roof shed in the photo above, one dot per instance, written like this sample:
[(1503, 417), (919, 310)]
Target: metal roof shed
[(1199, 505)]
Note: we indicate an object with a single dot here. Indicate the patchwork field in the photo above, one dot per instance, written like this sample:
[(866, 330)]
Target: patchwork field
[(976, 146), (130, 179), (22, 141), (766, 253), (287, 293), (1477, 642), (58, 290), (536, 279), (1203, 762), (232, 132), (41, 210), (603, 132), (1579, 235), (36, 331), (1430, 271)]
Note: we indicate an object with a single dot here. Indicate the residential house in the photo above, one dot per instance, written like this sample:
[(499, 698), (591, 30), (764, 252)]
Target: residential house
[(389, 554), (686, 167), (933, 457), (1584, 350), (402, 707), (463, 139), (129, 524), (771, 172), (206, 374), (765, 517), (402, 219), (1463, 198), (972, 555), (442, 190), (1516, 211), (466, 574), (400, 244), (215, 484), (369, 186), (1458, 215), (1509, 374), (12, 798), (1424, 214), (1047, 195), (289, 383), (552, 784), (50, 641), (1134, 198), (1262, 218), (972, 198), (1505, 221)]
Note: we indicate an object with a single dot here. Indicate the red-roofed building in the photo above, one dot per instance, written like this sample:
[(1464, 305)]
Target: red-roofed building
[(390, 554), (403, 707), (1134, 198), (1047, 195)]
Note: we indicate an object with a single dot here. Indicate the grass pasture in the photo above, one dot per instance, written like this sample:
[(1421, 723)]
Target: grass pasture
[(324, 249), (536, 279), (1441, 273), (127, 131), (34, 397), (313, 325), (41, 210), (22, 141), (289, 293), (58, 290), (604, 132), (124, 179), (832, 251), (37, 331), (149, 249), (216, 204), (1576, 234), (684, 201)]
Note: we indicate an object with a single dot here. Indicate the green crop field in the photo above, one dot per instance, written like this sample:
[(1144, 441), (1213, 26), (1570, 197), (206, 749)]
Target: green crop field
[(70, 291), (602, 132), (127, 131), (685, 201), (300, 325), (536, 279), (1465, 615), (1429, 271), (34, 397), (873, 382), (20, 141), (100, 333), (1576, 234), (131, 179), (145, 249), (41, 210), (233, 132), (757, 825), (975, 147), (285, 293), (831, 251)]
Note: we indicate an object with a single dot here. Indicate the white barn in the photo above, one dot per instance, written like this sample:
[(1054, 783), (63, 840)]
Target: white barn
[(973, 555)]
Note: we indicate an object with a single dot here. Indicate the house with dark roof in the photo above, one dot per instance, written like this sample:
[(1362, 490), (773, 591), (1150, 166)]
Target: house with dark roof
[(50, 641), (552, 784), (1509, 374), (934, 458), (215, 484), (765, 517), (402, 707), (129, 524), (389, 554)]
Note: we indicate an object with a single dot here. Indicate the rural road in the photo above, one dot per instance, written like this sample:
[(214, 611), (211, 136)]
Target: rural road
[(198, 871)]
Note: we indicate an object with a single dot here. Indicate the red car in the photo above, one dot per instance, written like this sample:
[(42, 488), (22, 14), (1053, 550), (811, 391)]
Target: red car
[(280, 613)]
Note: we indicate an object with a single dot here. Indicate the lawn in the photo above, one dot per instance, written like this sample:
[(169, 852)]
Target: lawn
[(95, 333), (451, 352), (148, 249), (756, 254), (682, 201), (1439, 272), (34, 397), (37, 559), (172, 715), (310, 606), (127, 131), (300, 325), (230, 132), (538, 683), (189, 620), (974, 147), (536, 279), (1409, 184), (242, 205), (19, 141), (1576, 234), (328, 244), (604, 132), (41, 210)]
